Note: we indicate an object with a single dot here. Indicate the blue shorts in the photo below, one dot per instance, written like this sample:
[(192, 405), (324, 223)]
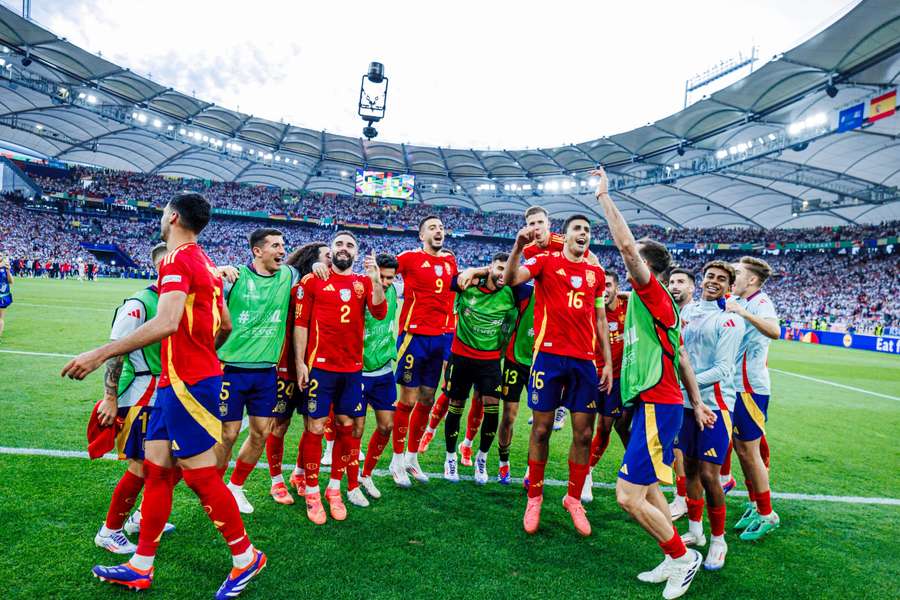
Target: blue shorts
[(130, 440), (448, 343), (419, 360), (6, 300), (611, 403), (344, 391), (709, 445), (287, 396), (557, 381), (254, 388), (751, 411), (380, 391), (651, 448), (186, 415)]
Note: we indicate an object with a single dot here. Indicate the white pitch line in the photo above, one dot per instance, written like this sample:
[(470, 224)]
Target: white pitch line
[(27, 353), (840, 385), (439, 476), (65, 306)]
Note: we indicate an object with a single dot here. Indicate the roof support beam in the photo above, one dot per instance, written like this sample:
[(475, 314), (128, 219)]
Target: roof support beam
[(643, 204), (709, 200)]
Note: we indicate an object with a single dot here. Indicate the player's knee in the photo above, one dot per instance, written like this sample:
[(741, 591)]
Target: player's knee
[(385, 430), (540, 433), (709, 478), (627, 501), (316, 427)]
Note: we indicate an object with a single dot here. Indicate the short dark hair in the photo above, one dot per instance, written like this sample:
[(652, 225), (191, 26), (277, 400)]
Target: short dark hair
[(427, 218), (259, 236), (158, 251), (341, 232), (572, 218), (387, 261), (682, 271), (531, 210), (193, 210), (656, 254), (722, 266), (613, 275), (501, 256), (305, 256)]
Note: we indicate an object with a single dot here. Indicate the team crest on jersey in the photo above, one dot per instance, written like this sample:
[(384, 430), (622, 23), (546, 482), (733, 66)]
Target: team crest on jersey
[(530, 261), (591, 280), (359, 289), (614, 326), (345, 295), (300, 292), (447, 267), (575, 281), (438, 270)]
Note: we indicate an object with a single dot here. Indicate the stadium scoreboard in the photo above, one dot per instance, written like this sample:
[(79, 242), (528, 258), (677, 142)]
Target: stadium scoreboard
[(385, 184)]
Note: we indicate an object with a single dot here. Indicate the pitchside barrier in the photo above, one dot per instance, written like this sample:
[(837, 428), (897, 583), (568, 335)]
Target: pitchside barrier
[(875, 343)]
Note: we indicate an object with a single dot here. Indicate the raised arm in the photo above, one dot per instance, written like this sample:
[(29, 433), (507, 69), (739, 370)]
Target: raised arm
[(517, 273), (376, 300), (766, 324), (621, 233)]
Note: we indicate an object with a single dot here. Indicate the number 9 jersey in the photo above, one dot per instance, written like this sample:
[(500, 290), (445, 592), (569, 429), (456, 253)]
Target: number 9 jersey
[(427, 298)]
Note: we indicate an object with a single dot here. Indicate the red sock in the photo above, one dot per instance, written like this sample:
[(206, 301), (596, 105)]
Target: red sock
[(177, 475), (764, 450), (401, 426), (353, 461), (599, 445), (695, 509), (341, 451), (241, 471), (716, 516), (221, 471), (681, 486), (373, 451), (312, 457), (220, 507), (330, 432), (274, 454), (300, 450), (123, 499), (536, 477), (674, 547), (726, 466), (475, 417), (438, 411), (418, 420), (750, 491), (156, 507), (764, 503), (577, 474)]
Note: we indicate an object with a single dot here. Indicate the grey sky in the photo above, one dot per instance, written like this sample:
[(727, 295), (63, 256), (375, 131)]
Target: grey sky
[(463, 74)]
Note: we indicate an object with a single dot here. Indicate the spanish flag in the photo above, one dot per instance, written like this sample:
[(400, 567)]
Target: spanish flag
[(883, 106)]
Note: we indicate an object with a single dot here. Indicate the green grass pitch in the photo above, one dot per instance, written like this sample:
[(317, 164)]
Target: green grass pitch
[(441, 539)]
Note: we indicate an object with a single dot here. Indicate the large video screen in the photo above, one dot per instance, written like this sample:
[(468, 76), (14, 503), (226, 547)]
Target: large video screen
[(384, 184)]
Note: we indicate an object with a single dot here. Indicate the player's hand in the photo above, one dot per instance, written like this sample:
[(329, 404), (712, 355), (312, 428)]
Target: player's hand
[(82, 365), (524, 237), (321, 271), (229, 273), (302, 376), (467, 277), (602, 183), (704, 416), (732, 306), (606, 378), (107, 411), (370, 265)]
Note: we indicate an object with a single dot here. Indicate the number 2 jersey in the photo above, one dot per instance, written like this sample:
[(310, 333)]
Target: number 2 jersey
[(333, 310)]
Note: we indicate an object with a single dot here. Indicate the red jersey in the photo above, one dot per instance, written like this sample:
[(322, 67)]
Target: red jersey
[(556, 244), (662, 308), (427, 299), (566, 294), (287, 366), (334, 312), (189, 354), (615, 320)]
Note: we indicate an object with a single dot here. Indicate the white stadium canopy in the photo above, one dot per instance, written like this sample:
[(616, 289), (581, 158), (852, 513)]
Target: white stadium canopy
[(762, 152)]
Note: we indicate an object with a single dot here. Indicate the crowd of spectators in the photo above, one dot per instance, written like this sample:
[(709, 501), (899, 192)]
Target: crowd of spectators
[(127, 186), (851, 289)]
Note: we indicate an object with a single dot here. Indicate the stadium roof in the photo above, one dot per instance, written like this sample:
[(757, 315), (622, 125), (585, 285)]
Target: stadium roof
[(750, 154)]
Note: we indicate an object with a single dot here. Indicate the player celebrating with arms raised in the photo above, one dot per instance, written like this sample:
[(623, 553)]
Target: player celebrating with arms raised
[(569, 319), (328, 344), (752, 381), (651, 361), (184, 428)]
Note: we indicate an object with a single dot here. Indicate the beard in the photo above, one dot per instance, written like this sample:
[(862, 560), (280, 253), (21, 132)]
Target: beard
[(342, 260)]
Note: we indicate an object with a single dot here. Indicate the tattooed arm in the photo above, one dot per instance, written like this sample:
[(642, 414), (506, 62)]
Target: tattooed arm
[(109, 407)]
